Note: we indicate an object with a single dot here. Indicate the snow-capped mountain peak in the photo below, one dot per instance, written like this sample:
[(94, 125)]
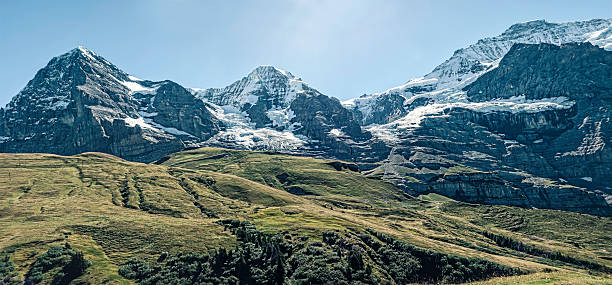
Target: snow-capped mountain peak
[(476, 58), (467, 64), (268, 71), (268, 82)]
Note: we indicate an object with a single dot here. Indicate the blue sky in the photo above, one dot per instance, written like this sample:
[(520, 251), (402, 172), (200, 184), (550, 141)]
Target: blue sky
[(344, 48)]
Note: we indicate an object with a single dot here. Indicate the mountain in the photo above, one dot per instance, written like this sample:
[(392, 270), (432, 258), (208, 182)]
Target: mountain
[(272, 109), (501, 176), (80, 102), (467, 64), (536, 135)]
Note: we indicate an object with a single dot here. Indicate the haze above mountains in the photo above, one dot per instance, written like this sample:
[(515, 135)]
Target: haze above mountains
[(488, 125)]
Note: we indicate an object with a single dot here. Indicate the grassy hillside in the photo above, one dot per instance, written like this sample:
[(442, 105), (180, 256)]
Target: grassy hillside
[(113, 210)]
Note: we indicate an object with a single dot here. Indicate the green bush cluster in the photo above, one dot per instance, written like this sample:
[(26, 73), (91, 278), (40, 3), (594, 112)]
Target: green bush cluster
[(72, 264), (7, 267), (339, 258)]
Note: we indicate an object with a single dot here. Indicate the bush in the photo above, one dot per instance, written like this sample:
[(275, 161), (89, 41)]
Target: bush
[(73, 264), (7, 267)]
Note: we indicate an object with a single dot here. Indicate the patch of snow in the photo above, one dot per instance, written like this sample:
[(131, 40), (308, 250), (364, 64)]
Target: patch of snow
[(169, 130), (194, 91), (59, 105), (518, 104), (283, 72), (588, 179), (147, 123), (138, 121), (137, 88), (86, 52), (538, 141), (280, 117), (241, 131), (383, 133), (476, 155), (147, 115), (134, 78), (4, 139), (264, 138), (251, 99), (421, 81), (337, 132)]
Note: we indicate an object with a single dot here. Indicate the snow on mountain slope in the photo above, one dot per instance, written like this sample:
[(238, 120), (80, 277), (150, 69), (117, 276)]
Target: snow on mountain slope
[(390, 132), (469, 63), (272, 109), (256, 109), (269, 87), (242, 133)]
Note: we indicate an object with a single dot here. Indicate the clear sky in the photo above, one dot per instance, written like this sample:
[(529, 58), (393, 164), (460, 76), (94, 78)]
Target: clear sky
[(343, 48)]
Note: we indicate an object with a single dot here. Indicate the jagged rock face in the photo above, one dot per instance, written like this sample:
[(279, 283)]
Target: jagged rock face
[(318, 115), (577, 71), (579, 150), (327, 124), (267, 83), (525, 140), (264, 93), (469, 63), (80, 102), (176, 107), (386, 109), (455, 157), (50, 113)]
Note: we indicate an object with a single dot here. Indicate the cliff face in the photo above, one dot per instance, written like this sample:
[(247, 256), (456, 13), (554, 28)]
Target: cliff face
[(575, 142)]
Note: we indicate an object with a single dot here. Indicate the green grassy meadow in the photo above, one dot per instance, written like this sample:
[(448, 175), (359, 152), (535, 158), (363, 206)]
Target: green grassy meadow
[(112, 210)]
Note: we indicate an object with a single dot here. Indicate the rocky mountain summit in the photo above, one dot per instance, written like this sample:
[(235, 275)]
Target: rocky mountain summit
[(518, 119), (81, 102)]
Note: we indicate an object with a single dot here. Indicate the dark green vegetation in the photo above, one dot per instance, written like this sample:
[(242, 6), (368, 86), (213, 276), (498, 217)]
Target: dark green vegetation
[(260, 258), (62, 263), (147, 223), (7, 267)]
